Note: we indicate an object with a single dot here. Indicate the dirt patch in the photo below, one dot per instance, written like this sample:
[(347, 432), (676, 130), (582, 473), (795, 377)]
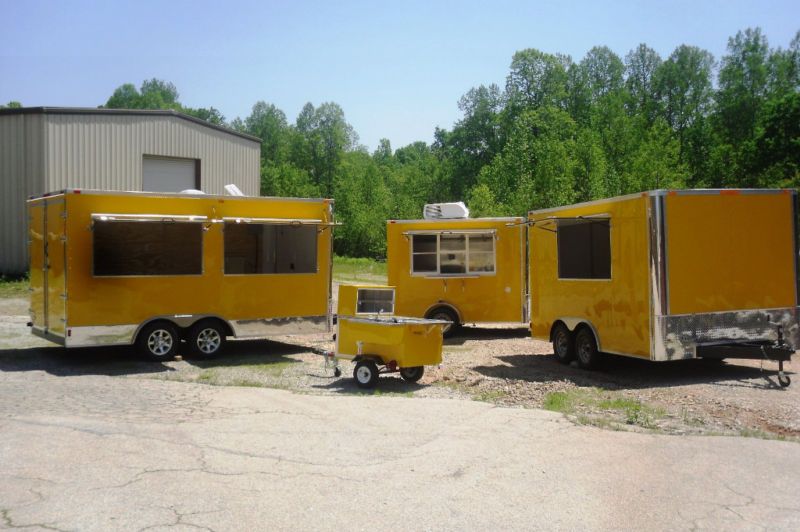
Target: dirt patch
[(500, 365)]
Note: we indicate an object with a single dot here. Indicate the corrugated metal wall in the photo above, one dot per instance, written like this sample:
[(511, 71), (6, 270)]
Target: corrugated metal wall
[(106, 151), (21, 175), (47, 152)]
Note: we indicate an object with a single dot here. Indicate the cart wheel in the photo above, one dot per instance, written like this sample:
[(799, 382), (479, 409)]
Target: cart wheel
[(586, 349), (158, 341), (563, 344), (337, 372), (412, 374), (206, 338), (784, 380), (366, 374)]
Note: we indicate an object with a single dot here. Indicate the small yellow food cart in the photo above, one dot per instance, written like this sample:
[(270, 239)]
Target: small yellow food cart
[(369, 334)]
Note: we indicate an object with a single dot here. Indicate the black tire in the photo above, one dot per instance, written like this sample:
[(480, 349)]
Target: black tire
[(563, 344), (366, 374), (206, 338), (158, 341), (446, 314), (586, 349), (412, 374)]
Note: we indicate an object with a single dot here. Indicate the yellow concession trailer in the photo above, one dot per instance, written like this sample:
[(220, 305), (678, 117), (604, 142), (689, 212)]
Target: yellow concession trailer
[(668, 275), (469, 270), (155, 269)]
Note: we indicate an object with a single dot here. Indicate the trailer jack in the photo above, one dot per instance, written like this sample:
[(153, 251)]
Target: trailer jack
[(773, 351)]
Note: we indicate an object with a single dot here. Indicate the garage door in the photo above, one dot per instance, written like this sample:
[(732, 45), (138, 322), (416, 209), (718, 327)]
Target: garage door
[(161, 174)]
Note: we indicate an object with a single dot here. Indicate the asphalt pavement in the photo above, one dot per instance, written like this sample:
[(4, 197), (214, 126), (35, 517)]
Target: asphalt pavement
[(95, 452)]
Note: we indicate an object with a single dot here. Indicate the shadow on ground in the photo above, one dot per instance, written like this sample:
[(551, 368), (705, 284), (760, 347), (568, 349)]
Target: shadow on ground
[(621, 373), (390, 384), (481, 334), (123, 360)]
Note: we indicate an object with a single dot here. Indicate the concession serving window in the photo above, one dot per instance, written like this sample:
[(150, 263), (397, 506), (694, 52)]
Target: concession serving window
[(263, 246), (147, 245)]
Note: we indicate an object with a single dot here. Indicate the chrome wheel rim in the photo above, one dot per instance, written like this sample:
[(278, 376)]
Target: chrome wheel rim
[(159, 342), (561, 344), (209, 340), (363, 374), (585, 351)]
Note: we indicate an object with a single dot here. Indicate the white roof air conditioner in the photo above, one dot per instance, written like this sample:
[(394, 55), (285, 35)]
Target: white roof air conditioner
[(434, 211)]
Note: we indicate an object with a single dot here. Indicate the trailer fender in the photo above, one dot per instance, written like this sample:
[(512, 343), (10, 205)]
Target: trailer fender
[(444, 304), (183, 321), (573, 324)]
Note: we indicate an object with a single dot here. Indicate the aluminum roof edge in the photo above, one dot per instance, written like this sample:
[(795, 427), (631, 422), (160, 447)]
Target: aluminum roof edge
[(669, 192), (451, 220), (93, 192), (135, 112)]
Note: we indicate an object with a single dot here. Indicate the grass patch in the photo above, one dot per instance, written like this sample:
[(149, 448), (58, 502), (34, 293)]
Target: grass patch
[(13, 286), (591, 406), (247, 383), (273, 369), (359, 269), (490, 396), (761, 434)]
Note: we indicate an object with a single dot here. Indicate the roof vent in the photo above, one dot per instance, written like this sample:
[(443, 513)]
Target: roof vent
[(435, 211), (233, 190)]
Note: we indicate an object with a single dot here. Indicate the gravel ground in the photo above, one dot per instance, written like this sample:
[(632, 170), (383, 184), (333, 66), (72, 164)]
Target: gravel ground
[(501, 365)]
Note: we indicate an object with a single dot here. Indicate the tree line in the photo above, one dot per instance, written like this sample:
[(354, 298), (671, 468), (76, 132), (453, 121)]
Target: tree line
[(558, 132)]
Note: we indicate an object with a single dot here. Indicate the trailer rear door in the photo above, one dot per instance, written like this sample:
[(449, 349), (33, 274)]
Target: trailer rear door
[(47, 246), (730, 250), (38, 277), (55, 250)]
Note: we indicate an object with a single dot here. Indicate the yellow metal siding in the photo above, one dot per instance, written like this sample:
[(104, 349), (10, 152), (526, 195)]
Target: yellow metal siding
[(132, 300), (56, 267), (485, 298), (619, 308), (36, 236), (730, 251), (409, 345)]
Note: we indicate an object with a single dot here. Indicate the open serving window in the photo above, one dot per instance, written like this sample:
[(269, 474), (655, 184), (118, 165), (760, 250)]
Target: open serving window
[(147, 245), (264, 246)]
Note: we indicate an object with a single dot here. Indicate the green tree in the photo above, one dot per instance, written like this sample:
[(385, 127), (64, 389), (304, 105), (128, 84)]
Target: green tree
[(641, 65), (362, 204), (536, 166), (684, 86), (11, 105), (324, 136), (536, 79), (474, 140)]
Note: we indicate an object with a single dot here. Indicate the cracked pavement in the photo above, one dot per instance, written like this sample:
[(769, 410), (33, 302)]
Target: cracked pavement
[(94, 452)]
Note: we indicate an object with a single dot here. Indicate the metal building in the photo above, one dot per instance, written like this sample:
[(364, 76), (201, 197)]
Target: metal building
[(45, 149)]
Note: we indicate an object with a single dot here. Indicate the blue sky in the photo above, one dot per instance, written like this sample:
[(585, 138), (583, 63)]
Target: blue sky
[(397, 69)]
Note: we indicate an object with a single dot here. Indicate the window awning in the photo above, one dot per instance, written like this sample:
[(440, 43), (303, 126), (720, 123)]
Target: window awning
[(109, 217), (453, 232), (277, 221)]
